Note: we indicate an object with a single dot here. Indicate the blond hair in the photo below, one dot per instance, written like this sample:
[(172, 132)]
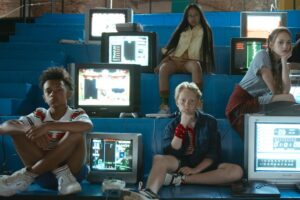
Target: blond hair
[(186, 85)]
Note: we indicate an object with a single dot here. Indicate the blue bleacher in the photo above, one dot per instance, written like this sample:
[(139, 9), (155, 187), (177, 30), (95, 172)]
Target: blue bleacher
[(35, 47)]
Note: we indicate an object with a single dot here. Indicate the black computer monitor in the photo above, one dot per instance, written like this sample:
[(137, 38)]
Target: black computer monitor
[(243, 51), (106, 90)]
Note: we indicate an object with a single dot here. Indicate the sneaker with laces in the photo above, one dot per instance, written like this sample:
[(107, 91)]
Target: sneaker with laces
[(146, 194), (67, 183), (164, 109), (17, 182), (173, 179)]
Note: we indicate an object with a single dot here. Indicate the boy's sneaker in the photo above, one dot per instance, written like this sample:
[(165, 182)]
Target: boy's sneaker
[(164, 109), (67, 183), (17, 182), (146, 194), (173, 179)]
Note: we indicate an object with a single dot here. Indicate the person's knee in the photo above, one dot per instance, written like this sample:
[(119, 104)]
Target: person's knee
[(159, 161), (165, 69), (232, 172)]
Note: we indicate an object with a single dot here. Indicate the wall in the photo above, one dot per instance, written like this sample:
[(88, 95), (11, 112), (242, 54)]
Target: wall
[(139, 6)]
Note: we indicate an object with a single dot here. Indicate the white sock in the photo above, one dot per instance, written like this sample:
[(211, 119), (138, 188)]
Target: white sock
[(61, 170)]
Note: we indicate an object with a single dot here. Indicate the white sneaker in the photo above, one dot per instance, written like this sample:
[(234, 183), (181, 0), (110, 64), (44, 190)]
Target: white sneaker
[(173, 179), (17, 182), (139, 195), (164, 109), (67, 183)]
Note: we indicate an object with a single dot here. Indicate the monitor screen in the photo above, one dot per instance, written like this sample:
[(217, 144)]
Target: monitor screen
[(111, 154), (295, 91), (100, 20), (130, 48), (272, 148), (115, 155), (243, 51), (260, 24), (106, 90)]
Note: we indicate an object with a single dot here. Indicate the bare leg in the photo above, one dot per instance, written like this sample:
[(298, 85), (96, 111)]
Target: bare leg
[(225, 173), (28, 151), (70, 147), (165, 70), (162, 164), (194, 68)]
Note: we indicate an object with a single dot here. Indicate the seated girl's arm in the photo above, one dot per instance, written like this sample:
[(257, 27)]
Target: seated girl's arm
[(285, 75), (267, 76)]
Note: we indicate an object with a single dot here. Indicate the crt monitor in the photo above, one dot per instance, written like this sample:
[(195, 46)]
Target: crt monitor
[(115, 156), (130, 48), (100, 20), (272, 148), (106, 90), (260, 24), (243, 51)]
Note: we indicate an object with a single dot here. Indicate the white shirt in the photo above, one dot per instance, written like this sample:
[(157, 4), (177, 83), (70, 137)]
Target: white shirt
[(190, 40), (42, 115)]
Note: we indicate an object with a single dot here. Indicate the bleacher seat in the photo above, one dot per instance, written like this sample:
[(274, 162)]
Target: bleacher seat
[(35, 47)]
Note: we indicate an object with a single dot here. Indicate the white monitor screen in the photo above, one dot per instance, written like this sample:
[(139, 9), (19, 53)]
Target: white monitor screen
[(295, 91), (99, 87), (111, 154), (262, 26), (277, 147), (129, 49), (105, 22)]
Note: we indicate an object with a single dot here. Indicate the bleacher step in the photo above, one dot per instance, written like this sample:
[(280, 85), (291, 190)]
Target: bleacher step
[(14, 90)]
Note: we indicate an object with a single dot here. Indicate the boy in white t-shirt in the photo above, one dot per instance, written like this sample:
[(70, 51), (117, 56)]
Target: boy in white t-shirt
[(50, 142)]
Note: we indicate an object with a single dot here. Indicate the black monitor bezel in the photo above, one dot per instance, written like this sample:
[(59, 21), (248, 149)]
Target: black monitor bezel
[(107, 110), (233, 70)]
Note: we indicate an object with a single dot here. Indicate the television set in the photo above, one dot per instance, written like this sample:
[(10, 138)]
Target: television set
[(115, 156), (100, 20), (106, 90), (130, 48), (260, 24), (243, 51), (272, 148)]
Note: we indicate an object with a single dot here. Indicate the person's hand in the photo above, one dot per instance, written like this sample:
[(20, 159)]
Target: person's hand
[(187, 171), (14, 126), (36, 132), (186, 119), (287, 56), (42, 142)]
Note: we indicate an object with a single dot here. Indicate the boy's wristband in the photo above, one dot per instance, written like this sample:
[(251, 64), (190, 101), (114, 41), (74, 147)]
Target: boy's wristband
[(180, 131)]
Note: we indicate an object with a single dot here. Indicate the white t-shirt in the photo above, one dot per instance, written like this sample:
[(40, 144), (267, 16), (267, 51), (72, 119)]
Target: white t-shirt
[(42, 115)]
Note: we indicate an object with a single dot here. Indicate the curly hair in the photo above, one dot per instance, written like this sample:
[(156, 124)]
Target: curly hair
[(56, 73)]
